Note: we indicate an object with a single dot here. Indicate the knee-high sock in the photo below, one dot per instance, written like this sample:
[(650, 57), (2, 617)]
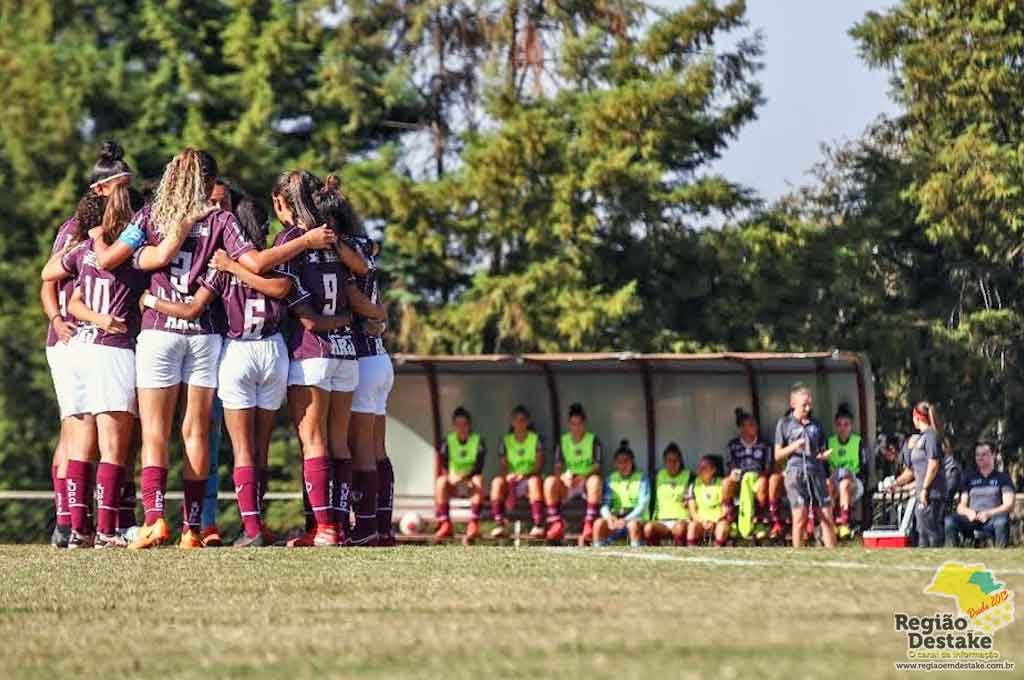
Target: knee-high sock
[(247, 489), (342, 494), (385, 495), (109, 480), (317, 474), (364, 496), (554, 513), (154, 488), (192, 508), (126, 506), (537, 512), (80, 494), (60, 499)]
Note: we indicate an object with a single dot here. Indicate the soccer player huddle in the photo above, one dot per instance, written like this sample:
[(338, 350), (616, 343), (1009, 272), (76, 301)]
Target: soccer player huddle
[(178, 298), (819, 478)]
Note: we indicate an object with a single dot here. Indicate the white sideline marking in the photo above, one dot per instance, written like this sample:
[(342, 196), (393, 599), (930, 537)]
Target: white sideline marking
[(738, 562)]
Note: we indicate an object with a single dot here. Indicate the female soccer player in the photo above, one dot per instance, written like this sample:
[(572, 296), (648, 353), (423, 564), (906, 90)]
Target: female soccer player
[(462, 474), (520, 460), (369, 401), (577, 473), (109, 173), (170, 351), (800, 443), (323, 372), (923, 457), (751, 455), (671, 490), (626, 498), (253, 373), (849, 454), (707, 514)]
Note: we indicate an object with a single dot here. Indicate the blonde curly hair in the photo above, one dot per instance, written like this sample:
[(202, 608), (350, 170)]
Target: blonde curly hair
[(183, 190)]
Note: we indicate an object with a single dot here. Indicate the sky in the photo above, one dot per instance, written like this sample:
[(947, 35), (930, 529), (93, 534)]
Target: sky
[(817, 90)]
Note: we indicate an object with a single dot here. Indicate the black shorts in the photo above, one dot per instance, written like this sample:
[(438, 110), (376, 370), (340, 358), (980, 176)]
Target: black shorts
[(803, 489)]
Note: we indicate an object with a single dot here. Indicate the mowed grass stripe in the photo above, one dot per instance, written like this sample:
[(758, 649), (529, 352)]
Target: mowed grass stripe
[(454, 612)]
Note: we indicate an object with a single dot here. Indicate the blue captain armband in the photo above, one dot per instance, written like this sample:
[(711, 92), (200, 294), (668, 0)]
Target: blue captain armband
[(133, 236)]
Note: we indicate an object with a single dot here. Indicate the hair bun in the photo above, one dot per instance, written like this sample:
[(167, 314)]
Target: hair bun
[(624, 444), (332, 183), (111, 151)]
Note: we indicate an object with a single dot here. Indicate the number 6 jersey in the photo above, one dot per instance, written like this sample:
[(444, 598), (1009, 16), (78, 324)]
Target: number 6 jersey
[(321, 279)]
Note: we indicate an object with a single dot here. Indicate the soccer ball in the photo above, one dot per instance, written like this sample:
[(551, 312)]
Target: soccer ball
[(410, 524)]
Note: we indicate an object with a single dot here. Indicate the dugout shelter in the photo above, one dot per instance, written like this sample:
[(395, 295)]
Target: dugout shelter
[(649, 399)]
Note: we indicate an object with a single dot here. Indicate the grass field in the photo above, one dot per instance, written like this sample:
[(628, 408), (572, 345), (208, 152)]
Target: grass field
[(470, 613)]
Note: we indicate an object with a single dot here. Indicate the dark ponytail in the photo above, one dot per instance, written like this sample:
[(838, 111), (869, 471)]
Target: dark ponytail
[(88, 214), (335, 210), (844, 411)]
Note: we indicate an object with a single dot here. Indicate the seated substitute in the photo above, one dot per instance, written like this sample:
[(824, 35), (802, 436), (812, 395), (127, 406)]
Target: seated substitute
[(707, 509), (671, 488), (986, 500), (577, 474), (848, 458), (626, 496), (462, 467), (521, 459), (751, 477)]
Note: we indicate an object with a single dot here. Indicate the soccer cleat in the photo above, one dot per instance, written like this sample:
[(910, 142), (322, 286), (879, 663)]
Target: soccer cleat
[(303, 541), (130, 534), (843, 531), (77, 540), (498, 531), (473, 530), (776, 529), (114, 540), (151, 535), (59, 537), (444, 529), (326, 537), (244, 541), (556, 532), (537, 531), (269, 537), (190, 540), (211, 538), (386, 541)]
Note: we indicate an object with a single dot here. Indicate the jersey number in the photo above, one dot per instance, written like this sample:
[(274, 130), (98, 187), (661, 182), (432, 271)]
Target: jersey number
[(181, 267), (255, 314), (330, 294), (97, 294)]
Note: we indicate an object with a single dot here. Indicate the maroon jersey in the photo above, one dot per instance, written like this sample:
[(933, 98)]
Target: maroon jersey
[(320, 282), (368, 285), (67, 286), (106, 292), (250, 315), (180, 280)]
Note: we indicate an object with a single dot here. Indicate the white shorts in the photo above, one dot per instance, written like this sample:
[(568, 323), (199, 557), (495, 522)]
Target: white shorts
[(330, 375), (376, 378), (669, 524), (166, 359), (253, 373), (105, 379), (58, 357), (578, 488)]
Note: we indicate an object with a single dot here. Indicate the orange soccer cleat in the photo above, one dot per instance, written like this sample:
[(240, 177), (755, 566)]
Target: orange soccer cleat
[(473, 530), (151, 535), (190, 540), (211, 538), (444, 529), (556, 532)]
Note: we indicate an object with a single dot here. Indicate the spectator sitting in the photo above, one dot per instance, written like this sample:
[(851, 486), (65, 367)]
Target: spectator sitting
[(986, 500)]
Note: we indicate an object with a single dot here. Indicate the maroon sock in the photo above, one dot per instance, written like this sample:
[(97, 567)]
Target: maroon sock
[(108, 496), (154, 488), (442, 510), (692, 541), (307, 508), (474, 511), (364, 500), (385, 495), (498, 511), (126, 506), (554, 513), (247, 491), (342, 494), (592, 509), (317, 474), (192, 508), (773, 510), (720, 544), (79, 486), (537, 512), (63, 511)]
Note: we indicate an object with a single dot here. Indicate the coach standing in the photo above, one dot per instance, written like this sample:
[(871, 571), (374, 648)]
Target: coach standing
[(800, 442)]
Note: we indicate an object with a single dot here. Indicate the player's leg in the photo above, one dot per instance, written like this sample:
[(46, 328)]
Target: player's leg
[(80, 478), (846, 486), (265, 421), (679, 532), (442, 504), (156, 415), (798, 502), (385, 470), (554, 495), (241, 426), (309, 407), (761, 497), (775, 487), (730, 489), (115, 435), (127, 523), (476, 504), (58, 473), (195, 434), (535, 492), (499, 490), (270, 395), (593, 489), (635, 529), (210, 533), (655, 532), (601, 532), (694, 532), (722, 529)]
